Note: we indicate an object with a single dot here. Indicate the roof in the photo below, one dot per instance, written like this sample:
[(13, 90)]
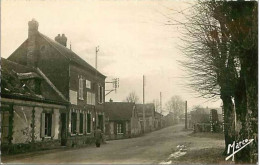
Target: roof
[(28, 75), (69, 54), (119, 110), (12, 85), (149, 109)]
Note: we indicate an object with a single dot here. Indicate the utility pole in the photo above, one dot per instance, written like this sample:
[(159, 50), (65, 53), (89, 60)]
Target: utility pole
[(143, 104), (97, 50), (186, 115), (161, 109), (161, 102)]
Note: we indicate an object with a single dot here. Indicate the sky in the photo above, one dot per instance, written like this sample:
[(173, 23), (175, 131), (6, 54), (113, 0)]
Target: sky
[(132, 36)]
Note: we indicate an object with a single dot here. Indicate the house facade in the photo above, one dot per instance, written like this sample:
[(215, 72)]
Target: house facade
[(122, 120), (146, 115), (73, 78), (31, 110)]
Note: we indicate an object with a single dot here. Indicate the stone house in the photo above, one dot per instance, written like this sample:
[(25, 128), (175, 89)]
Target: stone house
[(122, 120), (32, 111), (146, 112), (75, 80)]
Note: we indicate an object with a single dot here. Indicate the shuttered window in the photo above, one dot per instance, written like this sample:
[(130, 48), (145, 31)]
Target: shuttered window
[(47, 124), (119, 129), (100, 94), (73, 123), (81, 81), (88, 123), (81, 123)]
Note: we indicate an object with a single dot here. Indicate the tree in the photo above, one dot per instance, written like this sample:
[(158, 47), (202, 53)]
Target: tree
[(176, 106), (157, 105), (222, 61), (132, 97)]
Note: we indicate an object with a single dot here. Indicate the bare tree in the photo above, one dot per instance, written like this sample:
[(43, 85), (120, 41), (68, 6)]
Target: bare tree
[(157, 105), (175, 105), (132, 98), (222, 61)]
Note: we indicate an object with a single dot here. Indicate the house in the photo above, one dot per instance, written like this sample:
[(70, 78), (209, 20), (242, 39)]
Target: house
[(73, 78), (146, 115), (32, 110), (122, 120)]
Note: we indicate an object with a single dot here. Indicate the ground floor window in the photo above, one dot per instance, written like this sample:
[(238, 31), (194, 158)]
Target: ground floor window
[(73, 123), (81, 123), (119, 129), (88, 123), (48, 124)]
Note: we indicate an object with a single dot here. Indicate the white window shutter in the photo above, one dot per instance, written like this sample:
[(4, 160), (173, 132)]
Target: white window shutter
[(43, 125), (98, 93), (102, 94), (53, 125)]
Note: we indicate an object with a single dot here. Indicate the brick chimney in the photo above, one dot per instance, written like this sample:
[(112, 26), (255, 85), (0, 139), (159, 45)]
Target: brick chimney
[(32, 33), (61, 39)]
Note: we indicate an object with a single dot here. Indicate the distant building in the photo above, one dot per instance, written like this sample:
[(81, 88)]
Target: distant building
[(158, 120), (146, 115), (122, 120), (72, 78)]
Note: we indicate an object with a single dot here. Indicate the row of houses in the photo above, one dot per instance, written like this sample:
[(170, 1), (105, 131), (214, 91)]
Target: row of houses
[(126, 120), (51, 97)]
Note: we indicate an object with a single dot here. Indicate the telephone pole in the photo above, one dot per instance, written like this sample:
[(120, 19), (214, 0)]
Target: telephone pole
[(186, 115), (97, 50), (161, 102), (143, 104)]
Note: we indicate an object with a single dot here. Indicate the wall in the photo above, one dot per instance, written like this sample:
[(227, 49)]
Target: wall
[(24, 119), (22, 126), (57, 68)]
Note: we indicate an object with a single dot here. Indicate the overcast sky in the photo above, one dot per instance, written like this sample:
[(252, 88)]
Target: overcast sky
[(132, 36)]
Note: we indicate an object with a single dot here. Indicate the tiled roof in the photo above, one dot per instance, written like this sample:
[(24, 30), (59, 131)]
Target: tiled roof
[(119, 110), (12, 86), (70, 55)]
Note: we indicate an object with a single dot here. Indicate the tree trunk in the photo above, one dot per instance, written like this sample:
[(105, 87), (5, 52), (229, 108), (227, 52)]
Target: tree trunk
[(229, 123)]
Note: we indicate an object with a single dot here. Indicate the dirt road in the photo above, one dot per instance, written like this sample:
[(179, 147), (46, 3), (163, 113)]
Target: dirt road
[(154, 147)]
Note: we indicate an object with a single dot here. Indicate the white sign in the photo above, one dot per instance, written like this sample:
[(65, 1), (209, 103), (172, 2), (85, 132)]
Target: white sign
[(88, 84)]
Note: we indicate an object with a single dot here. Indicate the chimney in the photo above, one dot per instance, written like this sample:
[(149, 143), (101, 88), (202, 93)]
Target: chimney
[(61, 39), (31, 51)]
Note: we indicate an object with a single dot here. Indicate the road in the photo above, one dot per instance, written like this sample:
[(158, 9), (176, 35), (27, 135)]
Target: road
[(152, 148)]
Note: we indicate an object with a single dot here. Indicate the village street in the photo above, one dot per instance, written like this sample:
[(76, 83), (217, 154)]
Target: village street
[(154, 147)]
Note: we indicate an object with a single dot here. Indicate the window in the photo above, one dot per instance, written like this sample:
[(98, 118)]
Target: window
[(48, 124), (100, 94), (88, 84), (119, 129), (91, 98), (73, 123), (81, 81), (81, 123), (88, 123)]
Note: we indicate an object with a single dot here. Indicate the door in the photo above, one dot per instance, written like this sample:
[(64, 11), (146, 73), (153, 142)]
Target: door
[(63, 129)]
